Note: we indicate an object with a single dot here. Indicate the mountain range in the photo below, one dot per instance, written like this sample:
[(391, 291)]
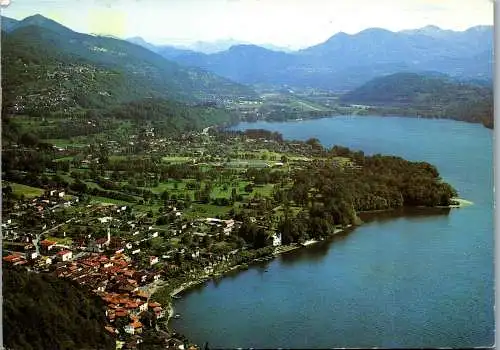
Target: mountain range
[(345, 61), (206, 47), (49, 67)]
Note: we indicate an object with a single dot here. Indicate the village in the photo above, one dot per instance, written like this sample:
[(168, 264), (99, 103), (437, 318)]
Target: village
[(138, 219), (120, 267)]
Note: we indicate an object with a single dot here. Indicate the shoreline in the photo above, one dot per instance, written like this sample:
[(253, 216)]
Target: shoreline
[(277, 251), (461, 203)]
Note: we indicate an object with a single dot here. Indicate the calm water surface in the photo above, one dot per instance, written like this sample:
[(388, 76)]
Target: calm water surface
[(400, 281)]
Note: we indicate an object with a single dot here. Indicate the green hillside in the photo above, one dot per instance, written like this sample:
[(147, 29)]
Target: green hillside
[(170, 117), (48, 66), (426, 96)]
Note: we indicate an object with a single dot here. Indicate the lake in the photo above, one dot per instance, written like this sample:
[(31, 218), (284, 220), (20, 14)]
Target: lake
[(413, 280)]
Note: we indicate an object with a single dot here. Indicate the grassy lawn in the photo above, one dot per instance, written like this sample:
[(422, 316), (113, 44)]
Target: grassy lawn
[(175, 241), (218, 192), (147, 208), (63, 159), (27, 191), (64, 240), (205, 210), (170, 186), (264, 190), (176, 159), (116, 158), (96, 199), (241, 186), (91, 184)]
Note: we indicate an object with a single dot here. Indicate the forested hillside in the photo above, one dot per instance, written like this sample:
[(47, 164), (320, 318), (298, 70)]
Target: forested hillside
[(426, 96), (48, 66), (41, 311), (79, 84), (169, 117)]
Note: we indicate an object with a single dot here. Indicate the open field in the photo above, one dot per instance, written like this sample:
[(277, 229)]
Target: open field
[(27, 191)]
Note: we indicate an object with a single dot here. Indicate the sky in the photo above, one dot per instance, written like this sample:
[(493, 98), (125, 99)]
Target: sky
[(286, 23)]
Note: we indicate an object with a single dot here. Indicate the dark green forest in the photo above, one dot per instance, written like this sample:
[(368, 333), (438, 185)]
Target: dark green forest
[(329, 195), (41, 311)]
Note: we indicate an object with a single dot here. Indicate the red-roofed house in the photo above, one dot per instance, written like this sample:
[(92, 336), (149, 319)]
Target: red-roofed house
[(154, 304), (134, 327), (65, 255), (14, 260), (121, 313), (47, 245)]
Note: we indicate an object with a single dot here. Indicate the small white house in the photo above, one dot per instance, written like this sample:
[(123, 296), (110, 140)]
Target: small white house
[(143, 306), (32, 255), (129, 329), (65, 255), (276, 239), (105, 219), (153, 260)]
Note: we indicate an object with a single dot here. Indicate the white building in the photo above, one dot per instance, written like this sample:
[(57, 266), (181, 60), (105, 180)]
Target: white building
[(276, 239), (65, 255), (105, 219), (153, 260)]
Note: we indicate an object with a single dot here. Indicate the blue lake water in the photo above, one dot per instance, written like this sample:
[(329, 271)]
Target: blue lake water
[(400, 281)]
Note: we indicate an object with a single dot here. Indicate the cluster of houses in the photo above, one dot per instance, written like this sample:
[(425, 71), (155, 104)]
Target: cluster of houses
[(118, 283), (109, 265)]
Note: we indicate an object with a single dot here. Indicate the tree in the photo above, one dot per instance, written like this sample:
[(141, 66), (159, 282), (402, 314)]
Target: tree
[(165, 196), (314, 143), (29, 139)]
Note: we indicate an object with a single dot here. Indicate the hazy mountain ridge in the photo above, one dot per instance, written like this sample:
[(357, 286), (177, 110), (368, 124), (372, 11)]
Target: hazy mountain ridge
[(342, 62), (336, 64)]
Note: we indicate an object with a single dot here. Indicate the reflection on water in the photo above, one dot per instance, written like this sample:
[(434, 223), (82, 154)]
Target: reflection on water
[(409, 213), (314, 252)]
